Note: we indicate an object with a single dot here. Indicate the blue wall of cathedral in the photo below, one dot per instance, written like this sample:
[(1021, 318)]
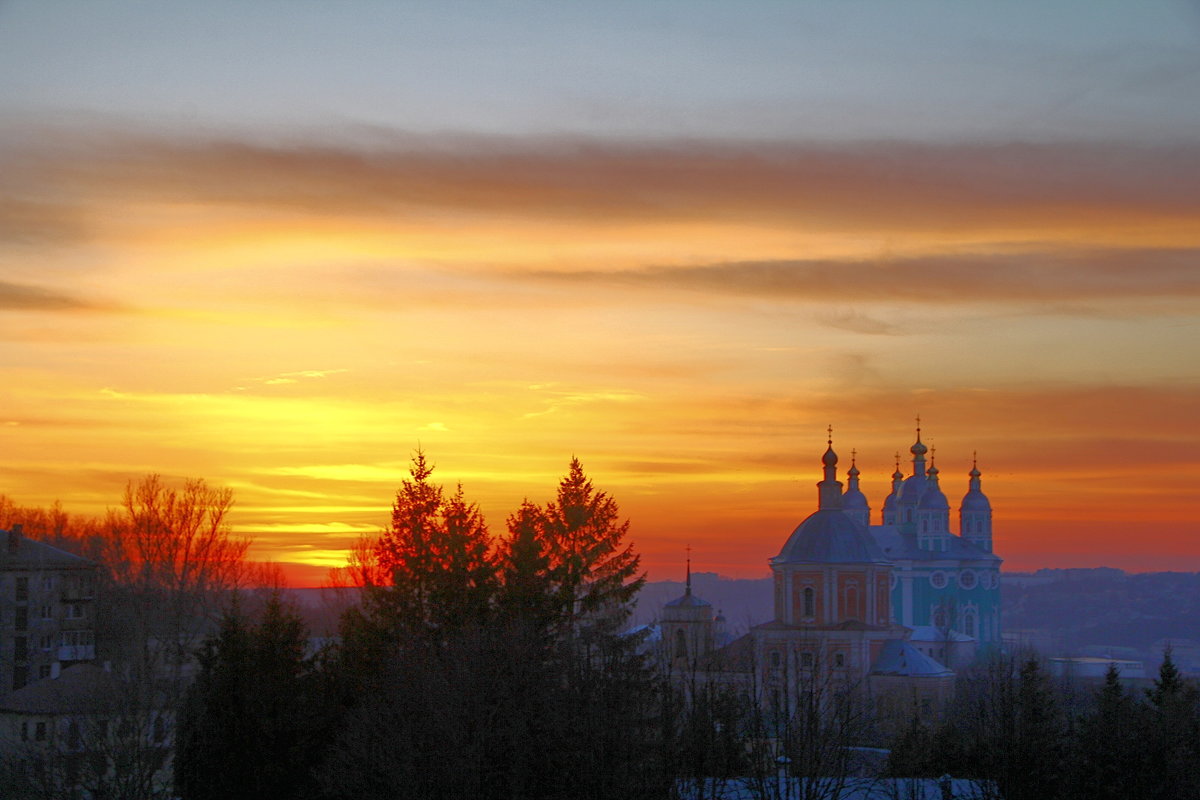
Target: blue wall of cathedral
[(945, 580)]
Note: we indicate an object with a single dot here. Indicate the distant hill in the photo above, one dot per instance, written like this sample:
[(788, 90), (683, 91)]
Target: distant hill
[(1067, 611), (1064, 611)]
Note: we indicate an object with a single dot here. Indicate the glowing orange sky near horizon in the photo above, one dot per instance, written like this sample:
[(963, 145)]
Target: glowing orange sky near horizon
[(294, 321)]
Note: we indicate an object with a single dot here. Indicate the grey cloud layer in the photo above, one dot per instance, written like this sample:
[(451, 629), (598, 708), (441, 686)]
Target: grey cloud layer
[(940, 187), (1054, 275)]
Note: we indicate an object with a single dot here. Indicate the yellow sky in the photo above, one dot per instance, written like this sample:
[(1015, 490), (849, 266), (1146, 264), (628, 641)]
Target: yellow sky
[(293, 319)]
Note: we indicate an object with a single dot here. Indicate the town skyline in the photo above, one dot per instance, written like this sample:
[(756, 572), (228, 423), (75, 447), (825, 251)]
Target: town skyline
[(282, 247)]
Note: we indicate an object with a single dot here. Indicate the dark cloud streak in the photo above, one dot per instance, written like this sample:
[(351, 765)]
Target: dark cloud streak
[(1052, 275), (20, 297), (887, 184)]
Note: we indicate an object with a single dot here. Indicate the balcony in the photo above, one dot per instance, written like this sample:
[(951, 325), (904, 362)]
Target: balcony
[(77, 652)]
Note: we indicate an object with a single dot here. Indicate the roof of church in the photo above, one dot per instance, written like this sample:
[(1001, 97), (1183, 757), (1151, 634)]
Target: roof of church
[(897, 545), (898, 657), (688, 600), (828, 536), (844, 625), (928, 633)]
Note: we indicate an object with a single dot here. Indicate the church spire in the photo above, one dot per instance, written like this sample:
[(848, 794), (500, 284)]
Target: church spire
[(829, 490), (918, 451), (688, 590)]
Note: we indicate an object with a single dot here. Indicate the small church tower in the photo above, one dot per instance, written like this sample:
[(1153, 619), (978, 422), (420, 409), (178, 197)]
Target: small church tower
[(933, 515), (975, 513), (687, 627), (854, 502)]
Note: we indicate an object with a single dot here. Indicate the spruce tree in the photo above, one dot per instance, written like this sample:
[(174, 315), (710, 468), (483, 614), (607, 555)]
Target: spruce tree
[(249, 727), (1110, 756)]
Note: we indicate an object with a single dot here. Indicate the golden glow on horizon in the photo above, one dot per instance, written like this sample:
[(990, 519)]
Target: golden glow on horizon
[(296, 331)]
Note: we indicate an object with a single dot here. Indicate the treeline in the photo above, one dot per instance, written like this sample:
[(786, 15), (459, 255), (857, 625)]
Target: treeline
[(468, 669), (1039, 737), (500, 666)]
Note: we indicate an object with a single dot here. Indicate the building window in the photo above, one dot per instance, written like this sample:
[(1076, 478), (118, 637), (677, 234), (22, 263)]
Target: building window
[(43, 671), (21, 618), (22, 590), (47, 612), (938, 580), (939, 618), (24, 731), (967, 579), (680, 644), (810, 602), (806, 660), (39, 732), (20, 676), (839, 659), (46, 642), (74, 611), (47, 582), (969, 623), (851, 603), (20, 648)]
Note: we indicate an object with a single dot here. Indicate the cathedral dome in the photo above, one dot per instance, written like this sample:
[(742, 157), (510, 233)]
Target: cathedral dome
[(912, 489), (934, 500), (854, 499), (830, 458), (829, 536), (975, 500)]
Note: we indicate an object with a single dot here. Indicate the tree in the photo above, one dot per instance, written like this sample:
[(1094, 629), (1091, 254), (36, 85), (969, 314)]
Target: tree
[(172, 558), (432, 571), (594, 569), (1174, 734), (1110, 755), (250, 724), (505, 675), (607, 697), (171, 561)]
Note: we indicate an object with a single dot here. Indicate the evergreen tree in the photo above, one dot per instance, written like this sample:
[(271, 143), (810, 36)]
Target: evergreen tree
[(1110, 756), (1174, 734), (436, 553), (1040, 741), (248, 727), (595, 570), (431, 575)]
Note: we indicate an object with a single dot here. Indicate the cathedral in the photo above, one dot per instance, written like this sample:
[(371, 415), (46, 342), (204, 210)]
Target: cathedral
[(890, 608)]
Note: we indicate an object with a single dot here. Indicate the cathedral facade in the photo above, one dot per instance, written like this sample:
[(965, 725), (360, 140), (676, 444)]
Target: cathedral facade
[(946, 581), (884, 609)]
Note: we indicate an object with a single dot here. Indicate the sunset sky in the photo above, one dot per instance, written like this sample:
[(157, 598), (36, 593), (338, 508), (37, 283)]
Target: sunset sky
[(280, 245)]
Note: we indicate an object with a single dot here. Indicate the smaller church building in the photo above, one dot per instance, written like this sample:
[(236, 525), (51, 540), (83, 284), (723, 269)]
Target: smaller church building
[(881, 610)]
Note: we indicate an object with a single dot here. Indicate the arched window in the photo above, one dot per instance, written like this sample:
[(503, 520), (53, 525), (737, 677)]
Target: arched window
[(810, 602), (851, 610), (969, 623), (680, 644), (939, 618), (775, 659)]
